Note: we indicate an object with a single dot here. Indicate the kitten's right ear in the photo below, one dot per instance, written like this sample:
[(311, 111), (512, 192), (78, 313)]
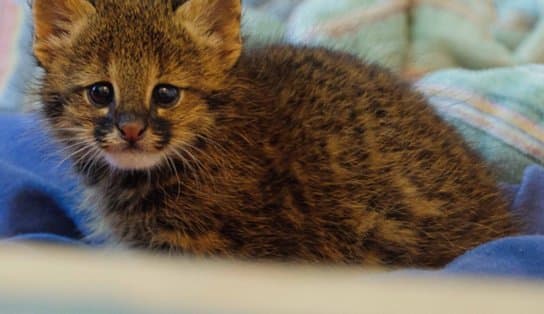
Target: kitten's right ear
[(55, 21), (215, 23)]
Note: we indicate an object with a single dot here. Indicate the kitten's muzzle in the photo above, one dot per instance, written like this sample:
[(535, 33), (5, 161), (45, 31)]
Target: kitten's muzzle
[(131, 127)]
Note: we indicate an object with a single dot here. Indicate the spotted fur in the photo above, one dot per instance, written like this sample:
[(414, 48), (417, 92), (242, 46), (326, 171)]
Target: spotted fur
[(278, 152)]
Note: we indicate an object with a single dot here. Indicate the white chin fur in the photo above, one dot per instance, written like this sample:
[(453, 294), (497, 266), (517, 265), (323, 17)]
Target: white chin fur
[(133, 160)]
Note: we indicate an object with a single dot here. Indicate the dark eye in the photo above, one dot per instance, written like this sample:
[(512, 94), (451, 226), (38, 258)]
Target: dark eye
[(166, 96), (101, 94)]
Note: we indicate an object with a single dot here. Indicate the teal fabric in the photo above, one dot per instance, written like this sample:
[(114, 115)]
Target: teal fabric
[(412, 37)]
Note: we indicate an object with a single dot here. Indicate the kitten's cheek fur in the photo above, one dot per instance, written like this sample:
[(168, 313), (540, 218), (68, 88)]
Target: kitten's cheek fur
[(133, 160)]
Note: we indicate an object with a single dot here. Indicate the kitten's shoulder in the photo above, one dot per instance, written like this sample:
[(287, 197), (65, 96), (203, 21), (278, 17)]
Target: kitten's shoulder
[(283, 63)]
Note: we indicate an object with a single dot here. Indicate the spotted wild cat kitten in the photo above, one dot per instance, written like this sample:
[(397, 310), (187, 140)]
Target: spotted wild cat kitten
[(188, 142)]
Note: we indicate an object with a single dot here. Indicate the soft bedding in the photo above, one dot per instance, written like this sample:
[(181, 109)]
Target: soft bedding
[(494, 98)]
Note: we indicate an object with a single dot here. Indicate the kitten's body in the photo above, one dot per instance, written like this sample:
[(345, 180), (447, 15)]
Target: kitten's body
[(295, 154)]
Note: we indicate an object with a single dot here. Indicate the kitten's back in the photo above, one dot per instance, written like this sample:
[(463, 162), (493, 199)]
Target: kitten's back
[(366, 150)]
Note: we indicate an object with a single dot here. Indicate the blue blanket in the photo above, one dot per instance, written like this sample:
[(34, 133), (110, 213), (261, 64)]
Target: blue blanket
[(38, 195)]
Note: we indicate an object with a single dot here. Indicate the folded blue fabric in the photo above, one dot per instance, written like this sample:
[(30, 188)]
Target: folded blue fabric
[(521, 257), (38, 195), (36, 187)]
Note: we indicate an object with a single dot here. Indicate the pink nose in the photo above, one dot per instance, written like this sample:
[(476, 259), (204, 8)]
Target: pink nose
[(132, 131)]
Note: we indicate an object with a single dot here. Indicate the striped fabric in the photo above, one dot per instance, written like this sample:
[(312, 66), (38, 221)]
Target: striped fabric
[(500, 112), (499, 121)]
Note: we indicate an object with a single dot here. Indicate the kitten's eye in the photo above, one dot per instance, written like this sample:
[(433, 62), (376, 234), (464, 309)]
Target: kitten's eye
[(101, 94), (166, 96)]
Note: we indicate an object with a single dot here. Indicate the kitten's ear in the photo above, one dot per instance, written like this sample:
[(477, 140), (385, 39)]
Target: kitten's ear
[(214, 23), (55, 20)]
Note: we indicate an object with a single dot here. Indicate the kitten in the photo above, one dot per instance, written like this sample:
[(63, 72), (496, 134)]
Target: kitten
[(187, 142)]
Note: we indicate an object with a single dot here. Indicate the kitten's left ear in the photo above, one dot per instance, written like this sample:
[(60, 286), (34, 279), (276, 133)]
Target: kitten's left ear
[(215, 24), (55, 20)]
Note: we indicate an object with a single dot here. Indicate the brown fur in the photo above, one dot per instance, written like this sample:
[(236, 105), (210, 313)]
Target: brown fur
[(280, 152)]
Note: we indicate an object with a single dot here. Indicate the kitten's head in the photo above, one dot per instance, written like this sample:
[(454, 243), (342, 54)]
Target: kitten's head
[(125, 81)]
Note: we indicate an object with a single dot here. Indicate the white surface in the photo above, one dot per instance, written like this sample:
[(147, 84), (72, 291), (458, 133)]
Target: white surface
[(52, 279)]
